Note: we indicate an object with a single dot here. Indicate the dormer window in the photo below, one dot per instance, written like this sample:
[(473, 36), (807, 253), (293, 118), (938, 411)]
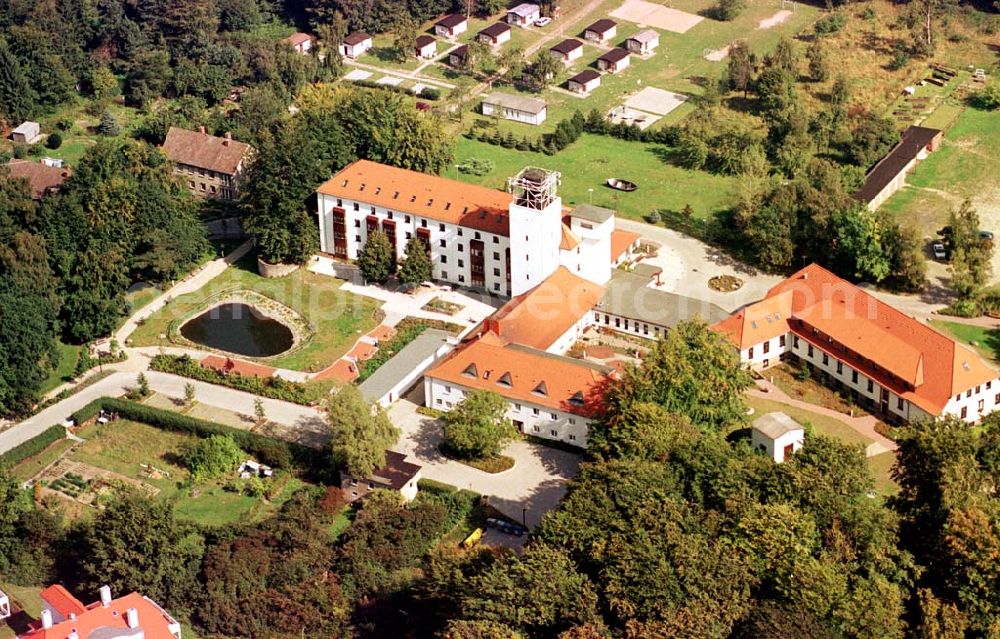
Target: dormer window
[(577, 398), (505, 380), (541, 389), (362, 187), (378, 189), (471, 371), (430, 202)]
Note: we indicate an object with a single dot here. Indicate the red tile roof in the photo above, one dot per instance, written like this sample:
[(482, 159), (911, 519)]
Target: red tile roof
[(356, 38), (524, 374), (621, 241), (451, 21), (298, 38), (204, 151), (569, 239), (901, 353), (602, 26), (60, 600), (540, 316), (98, 621), (41, 178), (422, 195), (567, 46)]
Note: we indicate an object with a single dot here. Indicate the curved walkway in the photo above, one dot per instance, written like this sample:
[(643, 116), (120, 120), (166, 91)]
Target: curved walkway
[(864, 426)]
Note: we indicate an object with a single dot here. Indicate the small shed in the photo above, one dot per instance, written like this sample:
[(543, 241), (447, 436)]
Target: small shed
[(643, 42), (515, 107), (426, 47), (495, 34), (777, 435), (601, 31), (451, 25), (356, 44), (613, 61), (27, 133), (4, 605), (524, 14), (301, 42), (568, 50), (584, 82)]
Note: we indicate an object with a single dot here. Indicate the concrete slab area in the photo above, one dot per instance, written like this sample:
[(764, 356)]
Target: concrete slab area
[(389, 81), (656, 15), (357, 74), (656, 101)]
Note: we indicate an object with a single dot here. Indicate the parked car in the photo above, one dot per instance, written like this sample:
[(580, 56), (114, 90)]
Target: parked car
[(541, 22), (986, 235), (937, 248), (505, 526)]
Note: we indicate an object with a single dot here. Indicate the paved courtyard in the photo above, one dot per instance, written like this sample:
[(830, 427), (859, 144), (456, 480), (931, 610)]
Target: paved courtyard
[(533, 487)]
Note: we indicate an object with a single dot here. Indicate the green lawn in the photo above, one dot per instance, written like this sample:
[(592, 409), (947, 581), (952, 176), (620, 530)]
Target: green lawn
[(879, 464), (985, 340), (592, 159), (964, 167), (34, 464), (68, 354), (338, 317), (123, 445)]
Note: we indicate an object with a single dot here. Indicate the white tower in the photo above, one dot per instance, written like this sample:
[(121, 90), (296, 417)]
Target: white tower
[(535, 228)]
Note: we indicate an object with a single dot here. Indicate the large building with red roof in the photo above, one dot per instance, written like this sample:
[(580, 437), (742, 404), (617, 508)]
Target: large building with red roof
[(503, 242), (212, 167), (897, 365), (130, 617)]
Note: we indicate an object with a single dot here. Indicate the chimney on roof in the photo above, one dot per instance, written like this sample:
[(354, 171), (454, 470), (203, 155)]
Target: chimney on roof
[(201, 130), (132, 618), (105, 596), (73, 634), (227, 138), (46, 618)]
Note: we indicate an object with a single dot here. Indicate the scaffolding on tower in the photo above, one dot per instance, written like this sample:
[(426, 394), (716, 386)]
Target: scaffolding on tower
[(534, 188)]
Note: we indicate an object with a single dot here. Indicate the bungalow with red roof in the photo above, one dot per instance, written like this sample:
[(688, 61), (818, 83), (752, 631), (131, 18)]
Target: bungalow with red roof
[(451, 25), (425, 47), (211, 167), (43, 179), (613, 61), (495, 34), (301, 42), (64, 616), (898, 366), (355, 45), (568, 50), (601, 31)]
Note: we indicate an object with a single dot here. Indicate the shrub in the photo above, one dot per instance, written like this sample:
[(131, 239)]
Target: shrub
[(476, 166), (254, 487), (653, 217), (213, 457), (33, 446), (869, 13), (54, 141), (272, 387), (727, 10), (830, 24), (900, 60), (64, 123), (430, 93)]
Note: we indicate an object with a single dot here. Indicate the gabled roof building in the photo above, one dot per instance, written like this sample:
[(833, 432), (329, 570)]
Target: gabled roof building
[(211, 166), (901, 368)]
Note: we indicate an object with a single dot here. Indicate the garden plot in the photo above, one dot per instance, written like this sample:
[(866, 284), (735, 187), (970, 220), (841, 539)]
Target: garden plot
[(656, 15), (84, 483)]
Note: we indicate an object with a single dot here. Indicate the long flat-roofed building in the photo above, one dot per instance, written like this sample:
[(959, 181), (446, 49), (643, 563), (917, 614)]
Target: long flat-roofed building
[(897, 365)]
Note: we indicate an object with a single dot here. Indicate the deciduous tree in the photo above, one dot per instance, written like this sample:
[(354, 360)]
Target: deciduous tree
[(415, 268), (375, 259), (360, 433), (478, 427)]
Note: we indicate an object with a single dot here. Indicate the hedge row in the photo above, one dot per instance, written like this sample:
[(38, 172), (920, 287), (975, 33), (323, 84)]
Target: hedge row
[(33, 446), (268, 450), (272, 387), (427, 93)]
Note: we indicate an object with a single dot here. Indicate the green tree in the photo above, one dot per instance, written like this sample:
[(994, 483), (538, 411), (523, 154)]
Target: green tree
[(478, 427), (27, 345), (989, 96), (258, 411), (405, 41), (460, 629), (375, 259), (692, 371), (189, 394), (415, 268), (740, 68), (541, 592), (819, 63), (970, 255), (360, 434), (214, 457), (135, 545), (108, 126), (727, 10), (860, 244), (17, 97), (541, 71), (142, 385)]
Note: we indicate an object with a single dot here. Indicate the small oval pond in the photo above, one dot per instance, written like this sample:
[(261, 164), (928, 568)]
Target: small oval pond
[(239, 328)]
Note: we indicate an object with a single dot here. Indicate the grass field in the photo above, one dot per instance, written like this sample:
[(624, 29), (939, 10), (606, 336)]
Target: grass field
[(985, 340), (122, 446), (68, 355), (337, 317), (34, 464), (964, 167), (592, 159)]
